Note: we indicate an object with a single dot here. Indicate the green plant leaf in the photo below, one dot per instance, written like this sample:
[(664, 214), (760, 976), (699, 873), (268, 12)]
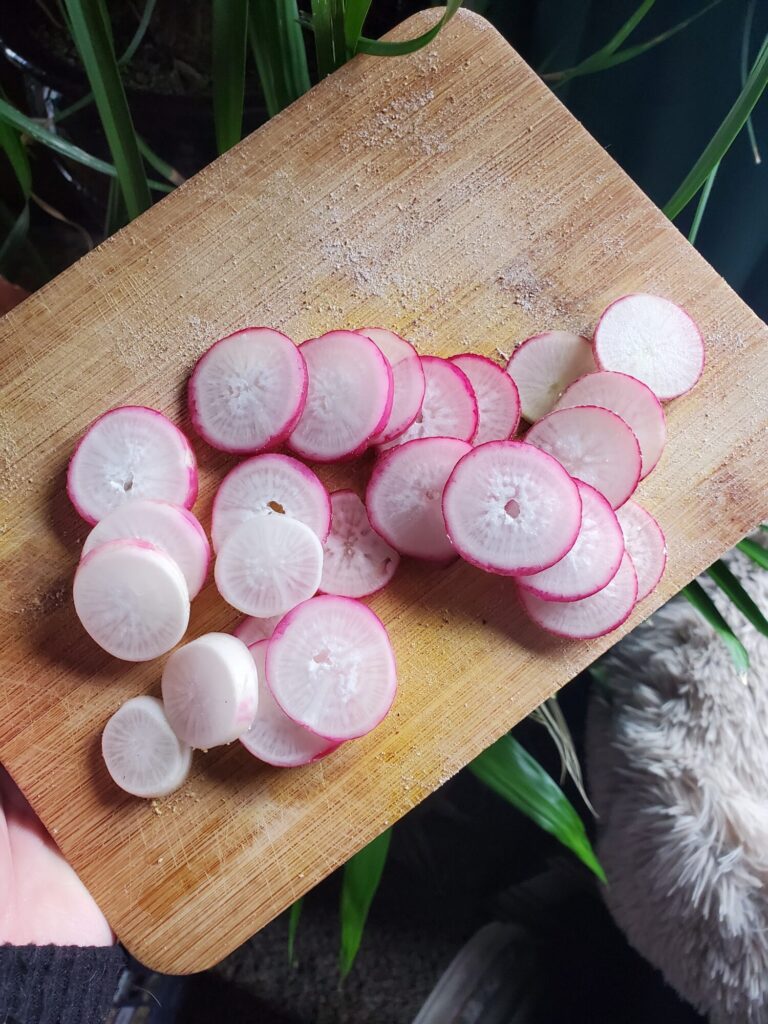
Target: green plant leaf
[(294, 916), (13, 147), (138, 35), (746, 37), (278, 48), (362, 874), (15, 237), (230, 33), (160, 165), (701, 206), (328, 30), (720, 574), (355, 13), (755, 551), (705, 606), (391, 48)]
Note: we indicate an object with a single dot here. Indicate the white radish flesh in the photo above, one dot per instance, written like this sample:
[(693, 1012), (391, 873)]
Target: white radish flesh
[(407, 381), (646, 544), (252, 630), (544, 365), (356, 560), (141, 751), (449, 408), (498, 403)]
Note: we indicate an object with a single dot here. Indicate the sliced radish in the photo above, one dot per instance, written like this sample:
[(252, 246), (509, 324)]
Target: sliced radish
[(356, 560), (141, 751), (247, 392), (630, 399), (405, 492), (407, 381), (449, 408), (171, 528), (331, 668), (270, 484), (646, 544), (498, 403), (274, 737), (132, 599), (594, 616), (593, 560), (252, 630), (349, 398), (268, 564), (544, 365), (210, 690), (511, 509), (595, 445), (128, 453)]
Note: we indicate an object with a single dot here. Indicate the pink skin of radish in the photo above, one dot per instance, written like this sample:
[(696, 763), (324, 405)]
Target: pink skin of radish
[(407, 381), (128, 453), (449, 408), (248, 391), (252, 630), (357, 562), (544, 365), (498, 403), (646, 544), (142, 753)]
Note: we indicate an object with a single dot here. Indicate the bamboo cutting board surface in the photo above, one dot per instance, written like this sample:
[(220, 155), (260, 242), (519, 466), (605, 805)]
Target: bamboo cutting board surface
[(449, 196)]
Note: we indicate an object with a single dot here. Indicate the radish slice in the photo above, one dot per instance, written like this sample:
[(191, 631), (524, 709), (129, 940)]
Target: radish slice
[(594, 616), (169, 527), (511, 509), (630, 399), (595, 445), (252, 630), (498, 403), (356, 561), (449, 408), (270, 484), (141, 751), (331, 668), (544, 365), (646, 544), (274, 737), (132, 599), (128, 453), (210, 690), (405, 493), (247, 392), (268, 564), (652, 339), (349, 398), (407, 381), (593, 560)]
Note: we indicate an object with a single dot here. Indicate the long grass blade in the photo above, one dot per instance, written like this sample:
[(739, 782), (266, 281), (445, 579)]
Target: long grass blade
[(362, 874), (13, 147), (294, 916), (550, 715), (230, 29), (14, 237), (755, 551), (138, 36), (705, 606), (355, 13), (746, 37), (701, 206), (390, 48), (720, 574), (328, 30), (157, 163), (277, 42)]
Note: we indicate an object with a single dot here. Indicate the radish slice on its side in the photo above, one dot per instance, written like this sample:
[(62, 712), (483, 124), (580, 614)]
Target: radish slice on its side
[(595, 445), (511, 509), (449, 408), (247, 392), (593, 560), (349, 398), (330, 667), (544, 365), (141, 751), (252, 630), (210, 690), (268, 564), (270, 484), (646, 544), (132, 599), (128, 453), (356, 560), (652, 339), (171, 528), (498, 403), (407, 381)]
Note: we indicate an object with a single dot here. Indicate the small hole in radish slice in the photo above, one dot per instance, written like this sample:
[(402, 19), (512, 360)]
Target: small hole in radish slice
[(276, 507), (322, 657), (512, 509), (128, 484)]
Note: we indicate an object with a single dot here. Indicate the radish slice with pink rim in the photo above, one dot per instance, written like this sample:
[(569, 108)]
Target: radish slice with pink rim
[(594, 616), (128, 453), (544, 365), (407, 381), (252, 630), (141, 751), (247, 392), (646, 544), (274, 737), (331, 668), (449, 408), (349, 398), (356, 560), (511, 509), (498, 403), (593, 560), (595, 445)]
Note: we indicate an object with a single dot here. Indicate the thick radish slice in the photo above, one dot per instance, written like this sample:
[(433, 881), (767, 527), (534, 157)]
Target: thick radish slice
[(128, 453), (171, 528), (405, 493), (331, 668), (511, 509), (349, 398), (595, 445), (253, 630), (593, 560), (498, 403), (274, 484), (274, 737), (630, 399), (247, 392), (449, 408), (141, 751), (132, 599), (268, 564), (407, 381), (544, 365), (356, 560), (210, 690), (646, 544), (594, 616), (652, 339)]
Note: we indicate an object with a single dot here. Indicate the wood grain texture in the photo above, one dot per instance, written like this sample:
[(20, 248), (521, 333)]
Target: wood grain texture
[(447, 195)]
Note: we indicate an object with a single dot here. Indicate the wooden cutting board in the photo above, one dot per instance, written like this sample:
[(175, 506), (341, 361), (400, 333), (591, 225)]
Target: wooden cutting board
[(447, 195)]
